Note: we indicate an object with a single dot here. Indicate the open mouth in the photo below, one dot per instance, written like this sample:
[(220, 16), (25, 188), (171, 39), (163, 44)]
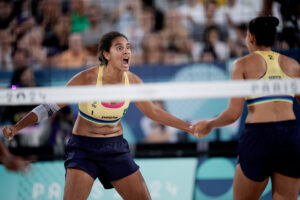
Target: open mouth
[(126, 61)]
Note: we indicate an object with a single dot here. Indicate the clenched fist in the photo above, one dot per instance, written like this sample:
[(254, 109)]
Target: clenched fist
[(9, 132)]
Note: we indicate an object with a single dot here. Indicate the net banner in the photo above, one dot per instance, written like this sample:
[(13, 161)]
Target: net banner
[(149, 91)]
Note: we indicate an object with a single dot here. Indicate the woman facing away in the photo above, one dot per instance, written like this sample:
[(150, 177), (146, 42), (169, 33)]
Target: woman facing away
[(97, 148), (270, 143)]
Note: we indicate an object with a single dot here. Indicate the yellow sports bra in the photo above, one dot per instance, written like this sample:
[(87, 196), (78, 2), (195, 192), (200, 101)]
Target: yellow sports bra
[(103, 113), (273, 72)]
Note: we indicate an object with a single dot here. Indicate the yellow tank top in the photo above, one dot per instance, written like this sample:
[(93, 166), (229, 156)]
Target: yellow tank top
[(273, 72), (103, 113)]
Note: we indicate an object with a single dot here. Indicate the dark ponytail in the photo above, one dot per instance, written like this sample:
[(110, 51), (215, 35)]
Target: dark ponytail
[(264, 30)]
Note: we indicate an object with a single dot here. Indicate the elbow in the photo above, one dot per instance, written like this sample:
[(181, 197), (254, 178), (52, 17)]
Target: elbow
[(232, 119), (234, 115)]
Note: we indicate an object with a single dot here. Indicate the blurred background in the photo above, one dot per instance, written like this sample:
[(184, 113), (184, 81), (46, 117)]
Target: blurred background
[(46, 42)]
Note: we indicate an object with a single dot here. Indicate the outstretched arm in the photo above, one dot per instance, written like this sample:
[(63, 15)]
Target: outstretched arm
[(163, 117), (38, 114), (158, 114), (232, 112)]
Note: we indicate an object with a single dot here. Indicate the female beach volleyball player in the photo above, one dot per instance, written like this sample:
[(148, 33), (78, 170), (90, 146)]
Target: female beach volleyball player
[(270, 143), (97, 148)]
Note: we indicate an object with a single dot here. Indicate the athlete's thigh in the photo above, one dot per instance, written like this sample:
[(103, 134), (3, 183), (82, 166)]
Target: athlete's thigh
[(284, 187), (78, 184), (132, 187), (245, 188)]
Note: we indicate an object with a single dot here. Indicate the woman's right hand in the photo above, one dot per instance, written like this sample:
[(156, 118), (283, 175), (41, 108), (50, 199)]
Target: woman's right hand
[(9, 132)]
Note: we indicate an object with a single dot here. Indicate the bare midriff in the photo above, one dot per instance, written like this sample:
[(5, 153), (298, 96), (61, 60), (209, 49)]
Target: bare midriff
[(84, 127), (270, 112)]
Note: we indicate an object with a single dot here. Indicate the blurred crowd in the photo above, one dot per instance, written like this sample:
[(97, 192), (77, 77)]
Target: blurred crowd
[(65, 33)]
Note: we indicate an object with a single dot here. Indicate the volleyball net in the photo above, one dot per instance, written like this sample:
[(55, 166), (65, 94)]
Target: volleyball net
[(191, 93), (188, 100), (149, 91)]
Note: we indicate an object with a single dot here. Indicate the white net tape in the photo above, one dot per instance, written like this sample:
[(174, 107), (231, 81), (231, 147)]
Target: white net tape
[(148, 91)]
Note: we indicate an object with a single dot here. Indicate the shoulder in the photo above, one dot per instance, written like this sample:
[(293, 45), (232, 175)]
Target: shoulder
[(239, 68), (239, 63), (133, 78), (85, 77), (248, 60), (287, 60), (289, 65)]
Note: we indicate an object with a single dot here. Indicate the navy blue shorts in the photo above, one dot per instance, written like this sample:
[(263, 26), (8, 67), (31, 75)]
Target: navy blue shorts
[(107, 159), (266, 148)]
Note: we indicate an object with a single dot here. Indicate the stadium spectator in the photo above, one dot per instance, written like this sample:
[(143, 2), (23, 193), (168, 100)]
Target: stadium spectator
[(191, 12), (212, 38), (79, 17), (58, 37), (51, 58), (175, 35), (208, 54), (172, 56), (33, 41), (237, 45), (125, 16), (47, 13), (20, 58), (6, 62), (198, 30), (23, 21), (6, 13), (158, 15), (76, 55), (152, 49)]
